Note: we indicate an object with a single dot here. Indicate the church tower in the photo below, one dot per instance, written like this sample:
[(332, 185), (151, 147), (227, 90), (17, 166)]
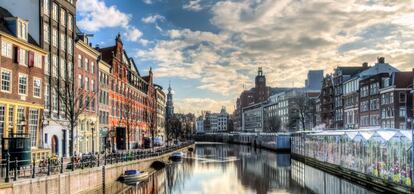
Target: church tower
[(170, 105)]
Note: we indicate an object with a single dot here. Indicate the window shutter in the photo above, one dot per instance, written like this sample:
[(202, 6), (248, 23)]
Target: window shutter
[(31, 59)]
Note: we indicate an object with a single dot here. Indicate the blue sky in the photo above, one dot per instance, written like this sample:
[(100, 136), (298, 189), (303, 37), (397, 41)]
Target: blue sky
[(209, 49)]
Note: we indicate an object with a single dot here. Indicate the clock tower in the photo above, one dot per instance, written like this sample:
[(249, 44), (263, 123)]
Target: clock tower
[(261, 90)]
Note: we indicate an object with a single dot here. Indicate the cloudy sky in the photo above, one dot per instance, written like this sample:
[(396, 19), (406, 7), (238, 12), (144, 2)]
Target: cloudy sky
[(210, 49)]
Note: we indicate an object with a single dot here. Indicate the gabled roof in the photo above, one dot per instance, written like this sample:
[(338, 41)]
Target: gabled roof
[(350, 70), (378, 68), (4, 13), (107, 53)]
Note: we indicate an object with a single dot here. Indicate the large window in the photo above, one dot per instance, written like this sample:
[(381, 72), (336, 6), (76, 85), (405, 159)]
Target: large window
[(374, 88), (11, 120), (6, 49), (23, 57), (47, 96), (62, 42), (6, 76), (55, 101), (37, 87), (54, 11), (62, 17), (47, 64), (54, 66), (33, 123), (22, 84), (403, 112), (2, 117), (364, 91), (70, 21), (46, 7), (21, 120), (54, 37), (37, 60)]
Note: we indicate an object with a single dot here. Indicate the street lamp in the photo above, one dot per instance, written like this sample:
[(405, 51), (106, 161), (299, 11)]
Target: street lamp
[(93, 140)]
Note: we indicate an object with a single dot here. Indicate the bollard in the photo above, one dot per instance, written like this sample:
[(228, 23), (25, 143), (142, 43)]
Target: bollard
[(73, 163), (61, 165), (7, 167), (105, 158), (34, 168), (48, 166), (15, 169), (98, 160)]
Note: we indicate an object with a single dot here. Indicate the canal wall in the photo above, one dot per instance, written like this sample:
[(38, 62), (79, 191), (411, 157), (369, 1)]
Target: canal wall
[(79, 181), (270, 141)]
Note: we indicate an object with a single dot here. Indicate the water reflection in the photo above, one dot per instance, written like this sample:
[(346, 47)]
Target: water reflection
[(223, 168)]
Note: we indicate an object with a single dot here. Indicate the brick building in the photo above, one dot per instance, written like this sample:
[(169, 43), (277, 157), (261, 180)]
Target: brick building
[(327, 102), (132, 99), (86, 87), (396, 100), (105, 78), (21, 80)]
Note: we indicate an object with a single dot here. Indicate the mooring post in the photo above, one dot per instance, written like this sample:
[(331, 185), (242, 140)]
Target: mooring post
[(34, 168), (7, 179), (15, 169)]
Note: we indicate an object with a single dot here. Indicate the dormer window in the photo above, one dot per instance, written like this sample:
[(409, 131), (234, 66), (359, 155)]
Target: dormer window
[(18, 27)]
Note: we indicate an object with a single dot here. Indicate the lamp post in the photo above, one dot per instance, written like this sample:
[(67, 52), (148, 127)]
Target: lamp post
[(93, 140)]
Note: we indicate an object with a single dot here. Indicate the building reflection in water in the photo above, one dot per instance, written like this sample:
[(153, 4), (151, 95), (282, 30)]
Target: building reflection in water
[(223, 168)]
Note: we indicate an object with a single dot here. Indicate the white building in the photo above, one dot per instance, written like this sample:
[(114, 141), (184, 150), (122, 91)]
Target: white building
[(200, 125), (222, 120)]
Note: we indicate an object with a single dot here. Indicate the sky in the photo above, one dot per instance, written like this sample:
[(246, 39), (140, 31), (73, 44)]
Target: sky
[(210, 50)]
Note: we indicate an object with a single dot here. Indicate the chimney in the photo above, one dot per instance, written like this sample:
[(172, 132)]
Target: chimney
[(90, 44), (365, 65), (381, 60), (97, 46)]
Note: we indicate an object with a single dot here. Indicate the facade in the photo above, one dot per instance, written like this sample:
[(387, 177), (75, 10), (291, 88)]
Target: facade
[(396, 101), (211, 122), (21, 81), (258, 94), (86, 87), (105, 78), (132, 100), (252, 118), (53, 28), (222, 120), (161, 107), (370, 84), (200, 124), (340, 75), (327, 102), (351, 103)]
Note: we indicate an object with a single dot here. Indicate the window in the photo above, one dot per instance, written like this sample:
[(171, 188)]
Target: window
[(80, 81), (374, 120), (86, 64), (46, 7), (79, 61), (23, 56), (33, 123), (70, 21), (364, 91), (47, 64), (21, 120), (86, 83), (374, 87), (62, 17), (364, 106), (374, 104), (62, 42), (70, 45), (70, 70), (6, 49), (55, 101), (22, 29), (402, 97), (55, 66), (93, 85), (54, 37), (62, 68), (6, 76), (2, 117), (37, 87), (11, 120), (37, 60), (92, 67), (403, 112), (22, 84), (47, 96), (54, 11)]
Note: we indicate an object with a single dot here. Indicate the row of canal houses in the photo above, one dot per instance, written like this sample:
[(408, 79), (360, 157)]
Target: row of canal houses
[(44, 53), (366, 97)]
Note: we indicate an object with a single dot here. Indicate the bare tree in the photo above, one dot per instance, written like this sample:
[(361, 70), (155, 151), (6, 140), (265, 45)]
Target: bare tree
[(273, 123), (128, 118), (303, 108), (73, 103)]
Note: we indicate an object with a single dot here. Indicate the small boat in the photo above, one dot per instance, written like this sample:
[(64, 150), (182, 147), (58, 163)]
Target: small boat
[(134, 176), (177, 156)]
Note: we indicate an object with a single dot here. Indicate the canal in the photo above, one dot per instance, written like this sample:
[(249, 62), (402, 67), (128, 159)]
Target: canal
[(226, 169)]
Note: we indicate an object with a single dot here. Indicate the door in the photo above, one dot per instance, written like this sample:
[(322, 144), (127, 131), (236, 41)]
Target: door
[(55, 145), (121, 138)]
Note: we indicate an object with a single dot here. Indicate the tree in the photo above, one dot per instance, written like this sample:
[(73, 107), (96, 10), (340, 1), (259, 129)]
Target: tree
[(73, 103), (304, 110), (273, 123), (128, 118)]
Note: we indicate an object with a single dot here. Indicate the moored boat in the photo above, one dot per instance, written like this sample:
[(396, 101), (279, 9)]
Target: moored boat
[(134, 176), (177, 156)]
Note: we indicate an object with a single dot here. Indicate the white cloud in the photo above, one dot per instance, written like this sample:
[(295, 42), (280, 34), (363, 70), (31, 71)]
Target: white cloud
[(193, 5), (153, 19), (96, 15), (147, 1), (287, 38), (132, 34)]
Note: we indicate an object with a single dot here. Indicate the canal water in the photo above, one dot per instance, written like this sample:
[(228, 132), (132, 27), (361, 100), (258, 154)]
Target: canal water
[(235, 169)]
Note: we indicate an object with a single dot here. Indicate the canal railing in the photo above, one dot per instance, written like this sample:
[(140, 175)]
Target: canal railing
[(14, 170)]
